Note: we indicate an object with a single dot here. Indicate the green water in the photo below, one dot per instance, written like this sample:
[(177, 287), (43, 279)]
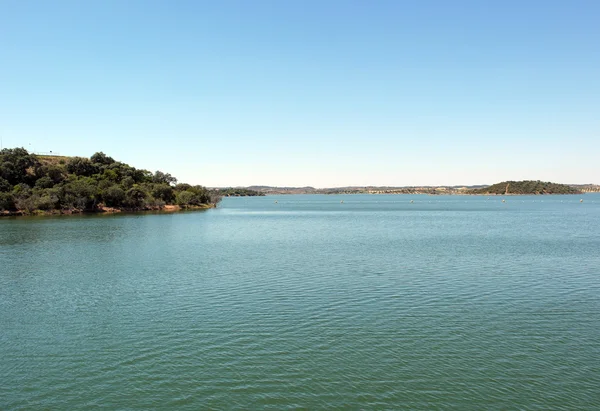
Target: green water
[(307, 303)]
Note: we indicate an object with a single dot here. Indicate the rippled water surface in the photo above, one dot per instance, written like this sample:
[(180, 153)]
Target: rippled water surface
[(307, 303)]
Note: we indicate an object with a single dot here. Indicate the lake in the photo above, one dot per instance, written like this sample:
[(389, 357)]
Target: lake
[(306, 302)]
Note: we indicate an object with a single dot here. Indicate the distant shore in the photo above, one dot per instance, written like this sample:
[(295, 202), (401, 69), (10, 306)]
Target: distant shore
[(525, 187)]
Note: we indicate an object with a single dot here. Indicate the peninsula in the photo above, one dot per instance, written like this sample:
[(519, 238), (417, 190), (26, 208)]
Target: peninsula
[(32, 184)]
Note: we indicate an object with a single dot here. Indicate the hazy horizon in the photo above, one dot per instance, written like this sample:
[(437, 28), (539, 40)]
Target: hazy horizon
[(321, 94)]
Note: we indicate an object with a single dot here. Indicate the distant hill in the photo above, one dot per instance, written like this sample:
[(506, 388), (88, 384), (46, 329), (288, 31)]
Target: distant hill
[(526, 187), (284, 190), (238, 192), (514, 187)]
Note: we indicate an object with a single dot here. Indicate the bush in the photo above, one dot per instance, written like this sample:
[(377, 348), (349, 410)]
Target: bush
[(46, 202), (163, 192), (55, 173), (81, 193), (184, 198), (4, 185), (7, 202), (154, 202), (44, 182), (82, 167), (113, 196), (26, 204), (128, 182), (21, 191), (182, 187), (135, 196)]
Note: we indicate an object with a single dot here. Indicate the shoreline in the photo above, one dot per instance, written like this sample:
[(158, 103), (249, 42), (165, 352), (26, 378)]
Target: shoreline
[(169, 208)]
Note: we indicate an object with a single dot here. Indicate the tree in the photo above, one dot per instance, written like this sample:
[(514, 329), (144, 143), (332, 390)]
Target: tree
[(101, 158), (55, 172), (4, 185), (113, 196), (15, 164), (82, 167), (44, 182), (163, 178), (163, 192), (185, 198), (128, 182), (7, 202), (81, 192), (135, 196)]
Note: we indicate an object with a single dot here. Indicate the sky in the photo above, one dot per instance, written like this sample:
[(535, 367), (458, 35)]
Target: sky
[(323, 93)]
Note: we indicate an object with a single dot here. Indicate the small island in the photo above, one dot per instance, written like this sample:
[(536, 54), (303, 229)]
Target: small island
[(526, 187), (35, 184)]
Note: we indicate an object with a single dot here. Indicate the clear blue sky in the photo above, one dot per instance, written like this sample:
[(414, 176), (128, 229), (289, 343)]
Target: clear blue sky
[(321, 93)]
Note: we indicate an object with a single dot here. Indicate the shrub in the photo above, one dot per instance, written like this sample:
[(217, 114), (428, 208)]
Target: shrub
[(26, 204), (113, 196), (185, 198), (7, 202), (46, 202), (82, 167), (128, 182), (154, 202), (44, 182), (81, 192), (5, 185), (163, 192), (135, 196)]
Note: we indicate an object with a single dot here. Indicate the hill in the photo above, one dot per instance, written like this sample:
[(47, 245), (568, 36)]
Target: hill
[(515, 187), (526, 187), (31, 184)]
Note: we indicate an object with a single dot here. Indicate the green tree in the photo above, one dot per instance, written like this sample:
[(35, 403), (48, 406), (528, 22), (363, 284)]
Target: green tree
[(163, 178), (113, 196), (81, 193), (44, 182), (7, 202), (4, 185), (163, 192), (101, 158), (82, 167), (135, 196), (184, 198), (15, 164)]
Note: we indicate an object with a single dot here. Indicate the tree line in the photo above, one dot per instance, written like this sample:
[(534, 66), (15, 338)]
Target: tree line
[(29, 183), (239, 192)]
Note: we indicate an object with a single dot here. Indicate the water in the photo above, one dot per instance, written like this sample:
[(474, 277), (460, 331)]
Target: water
[(307, 303)]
